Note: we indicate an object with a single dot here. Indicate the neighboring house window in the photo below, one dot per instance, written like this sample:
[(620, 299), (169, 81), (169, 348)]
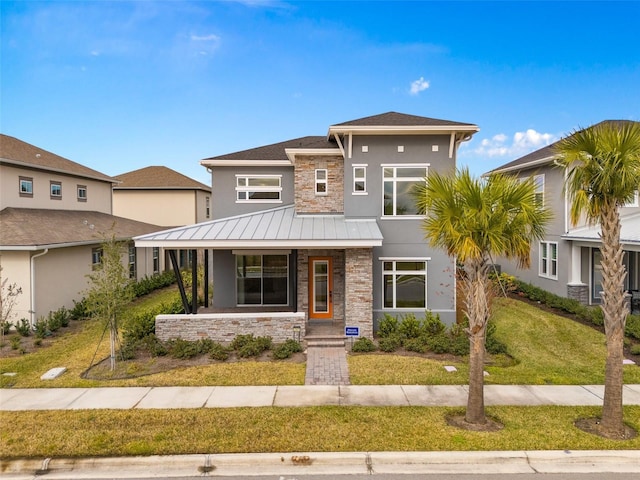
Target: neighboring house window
[(399, 181), (549, 260), (262, 279), (321, 181), (156, 259), (258, 188), (207, 207), (360, 179), (405, 283), (538, 182), (82, 193), (96, 257), (56, 190), (26, 187), (132, 261)]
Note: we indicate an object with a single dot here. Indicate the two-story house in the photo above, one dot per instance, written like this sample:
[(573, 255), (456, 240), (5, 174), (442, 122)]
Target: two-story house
[(53, 215), (567, 261), (162, 196), (322, 229)]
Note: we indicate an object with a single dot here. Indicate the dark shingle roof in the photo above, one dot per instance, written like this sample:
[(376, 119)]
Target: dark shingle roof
[(158, 177), (276, 151), (395, 119), (35, 227), (17, 152)]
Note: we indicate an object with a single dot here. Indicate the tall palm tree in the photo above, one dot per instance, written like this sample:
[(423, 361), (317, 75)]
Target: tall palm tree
[(602, 165), (474, 221)]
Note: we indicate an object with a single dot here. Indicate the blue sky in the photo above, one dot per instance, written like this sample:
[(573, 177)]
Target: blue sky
[(123, 85)]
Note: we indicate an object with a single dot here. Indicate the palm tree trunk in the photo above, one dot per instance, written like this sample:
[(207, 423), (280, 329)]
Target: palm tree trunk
[(615, 314), (477, 310)]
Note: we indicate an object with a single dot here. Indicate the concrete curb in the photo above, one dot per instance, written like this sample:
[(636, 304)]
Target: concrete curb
[(327, 463)]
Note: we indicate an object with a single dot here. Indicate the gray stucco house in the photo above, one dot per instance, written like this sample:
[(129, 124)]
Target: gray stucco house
[(567, 261), (321, 230)]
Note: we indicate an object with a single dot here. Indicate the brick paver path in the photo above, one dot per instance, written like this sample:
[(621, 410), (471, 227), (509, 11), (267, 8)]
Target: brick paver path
[(327, 366)]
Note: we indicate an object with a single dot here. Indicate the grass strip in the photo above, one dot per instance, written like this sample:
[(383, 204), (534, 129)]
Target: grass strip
[(109, 432)]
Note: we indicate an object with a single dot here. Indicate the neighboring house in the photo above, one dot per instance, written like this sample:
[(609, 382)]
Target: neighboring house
[(162, 196), (53, 213), (322, 230), (567, 261)]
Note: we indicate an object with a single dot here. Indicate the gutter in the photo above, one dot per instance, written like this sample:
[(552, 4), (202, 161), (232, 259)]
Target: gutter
[(32, 306)]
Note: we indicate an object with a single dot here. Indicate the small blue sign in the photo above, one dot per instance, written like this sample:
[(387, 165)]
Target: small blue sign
[(351, 331)]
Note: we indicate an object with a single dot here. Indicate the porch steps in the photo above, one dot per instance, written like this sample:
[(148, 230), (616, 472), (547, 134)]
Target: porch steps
[(325, 341)]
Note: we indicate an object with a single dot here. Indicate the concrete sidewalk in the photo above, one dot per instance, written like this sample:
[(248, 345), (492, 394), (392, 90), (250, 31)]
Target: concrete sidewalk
[(301, 396)]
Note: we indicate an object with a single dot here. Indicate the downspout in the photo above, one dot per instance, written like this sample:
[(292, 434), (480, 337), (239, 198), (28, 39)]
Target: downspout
[(32, 306)]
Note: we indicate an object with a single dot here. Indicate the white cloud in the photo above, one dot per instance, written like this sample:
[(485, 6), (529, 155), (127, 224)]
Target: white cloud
[(520, 144), (418, 86), (205, 38)]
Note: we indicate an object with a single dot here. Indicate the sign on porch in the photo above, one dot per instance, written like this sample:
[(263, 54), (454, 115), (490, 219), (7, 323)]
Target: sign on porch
[(351, 331)]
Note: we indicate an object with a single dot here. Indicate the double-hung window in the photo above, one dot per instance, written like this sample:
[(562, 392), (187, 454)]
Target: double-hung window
[(262, 279), (321, 181), (360, 179), (259, 188), (549, 260), (82, 193), (56, 190), (404, 283), (399, 182)]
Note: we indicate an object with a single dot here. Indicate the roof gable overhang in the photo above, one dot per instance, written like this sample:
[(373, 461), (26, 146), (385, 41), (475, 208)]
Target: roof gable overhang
[(403, 129)]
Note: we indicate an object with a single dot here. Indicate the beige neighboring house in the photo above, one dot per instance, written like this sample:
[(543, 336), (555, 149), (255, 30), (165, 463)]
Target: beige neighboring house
[(162, 196), (54, 214)]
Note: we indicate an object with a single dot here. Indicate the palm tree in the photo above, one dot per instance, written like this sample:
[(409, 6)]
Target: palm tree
[(602, 165), (475, 220)]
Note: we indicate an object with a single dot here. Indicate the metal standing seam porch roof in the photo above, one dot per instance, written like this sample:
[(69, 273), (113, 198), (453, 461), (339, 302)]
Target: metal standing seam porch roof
[(278, 227)]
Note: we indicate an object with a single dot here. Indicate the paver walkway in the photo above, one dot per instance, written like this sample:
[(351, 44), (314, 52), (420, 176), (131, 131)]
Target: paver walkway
[(327, 365)]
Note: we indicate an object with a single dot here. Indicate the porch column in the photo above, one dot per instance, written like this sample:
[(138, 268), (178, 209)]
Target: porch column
[(359, 290), (576, 289)]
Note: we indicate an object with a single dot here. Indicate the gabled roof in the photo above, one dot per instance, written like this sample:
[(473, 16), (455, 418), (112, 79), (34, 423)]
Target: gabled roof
[(158, 177), (274, 228), (545, 154), (629, 231), (395, 119), (35, 228), (21, 154)]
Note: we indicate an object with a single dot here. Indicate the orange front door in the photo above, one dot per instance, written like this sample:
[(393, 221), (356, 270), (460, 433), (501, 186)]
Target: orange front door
[(320, 287)]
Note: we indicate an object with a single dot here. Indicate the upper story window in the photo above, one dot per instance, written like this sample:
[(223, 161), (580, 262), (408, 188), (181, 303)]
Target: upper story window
[(399, 181), (360, 179), (538, 183), (549, 260), (56, 190), (207, 207), (26, 186), (96, 257), (82, 193), (321, 181), (259, 188)]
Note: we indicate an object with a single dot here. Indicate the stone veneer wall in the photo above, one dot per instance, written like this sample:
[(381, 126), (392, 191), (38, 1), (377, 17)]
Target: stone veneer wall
[(578, 292), (223, 327), (306, 200), (338, 280), (359, 290)]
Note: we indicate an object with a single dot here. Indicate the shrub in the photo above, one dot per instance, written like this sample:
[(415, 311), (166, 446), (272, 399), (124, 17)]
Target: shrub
[(23, 327), (635, 349), (418, 345), (492, 344), (250, 346), (632, 328), (5, 327), (53, 322), (439, 343), (410, 326), (62, 316), (79, 310), (388, 326), (390, 343), (15, 343), (148, 284), (183, 349), (219, 352), (153, 345), (286, 349), (41, 328), (241, 340), (432, 324), (363, 345), (459, 345)]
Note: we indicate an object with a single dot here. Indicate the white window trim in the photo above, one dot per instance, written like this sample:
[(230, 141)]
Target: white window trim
[(548, 261), (359, 179), (321, 181), (52, 184), (82, 188), (401, 165), (394, 272), (259, 189)]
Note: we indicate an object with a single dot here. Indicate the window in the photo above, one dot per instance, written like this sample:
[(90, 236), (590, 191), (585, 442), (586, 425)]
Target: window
[(207, 207), (538, 185), (262, 279), (82, 193), (96, 257), (258, 188), (549, 260), (321, 181), (405, 283), (399, 181), (360, 179), (132, 261), (26, 187), (156, 259), (56, 190)]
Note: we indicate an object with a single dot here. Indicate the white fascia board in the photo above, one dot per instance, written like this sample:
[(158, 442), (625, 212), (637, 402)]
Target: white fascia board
[(32, 248), (292, 152), (245, 163), (403, 129), (257, 244)]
